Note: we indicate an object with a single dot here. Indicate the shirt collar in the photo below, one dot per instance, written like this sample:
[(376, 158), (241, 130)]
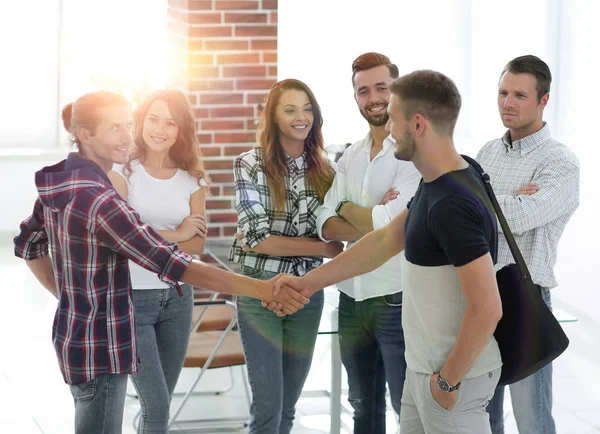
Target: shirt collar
[(295, 163), (368, 142), (527, 143)]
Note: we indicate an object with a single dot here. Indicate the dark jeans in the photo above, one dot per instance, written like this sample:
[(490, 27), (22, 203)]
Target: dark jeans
[(372, 350)]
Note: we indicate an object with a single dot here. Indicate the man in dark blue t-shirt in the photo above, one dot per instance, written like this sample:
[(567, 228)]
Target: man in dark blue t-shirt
[(449, 234)]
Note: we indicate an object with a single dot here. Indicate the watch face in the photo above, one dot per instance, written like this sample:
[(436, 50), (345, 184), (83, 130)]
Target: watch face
[(443, 384)]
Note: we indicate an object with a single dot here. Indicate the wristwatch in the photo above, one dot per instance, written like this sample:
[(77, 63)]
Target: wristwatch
[(445, 386), (339, 206)]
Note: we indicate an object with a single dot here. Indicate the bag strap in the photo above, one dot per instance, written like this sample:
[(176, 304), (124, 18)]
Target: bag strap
[(512, 244)]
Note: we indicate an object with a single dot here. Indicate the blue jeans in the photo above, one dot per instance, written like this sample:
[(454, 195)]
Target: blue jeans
[(372, 350), (531, 400), (163, 323), (99, 404), (278, 356)]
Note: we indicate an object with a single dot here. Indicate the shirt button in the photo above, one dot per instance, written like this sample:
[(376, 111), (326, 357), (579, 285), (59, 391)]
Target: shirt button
[(295, 187), (295, 224)]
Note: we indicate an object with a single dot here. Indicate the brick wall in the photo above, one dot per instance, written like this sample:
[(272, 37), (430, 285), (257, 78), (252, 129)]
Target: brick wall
[(226, 52)]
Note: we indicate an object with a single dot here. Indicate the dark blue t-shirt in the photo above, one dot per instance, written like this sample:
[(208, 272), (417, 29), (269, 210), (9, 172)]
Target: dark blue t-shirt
[(450, 221)]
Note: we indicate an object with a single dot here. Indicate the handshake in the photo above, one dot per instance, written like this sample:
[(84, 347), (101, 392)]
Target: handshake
[(286, 294)]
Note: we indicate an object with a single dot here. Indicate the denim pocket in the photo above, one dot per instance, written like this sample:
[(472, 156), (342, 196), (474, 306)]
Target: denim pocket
[(251, 272), (393, 300), (85, 390)]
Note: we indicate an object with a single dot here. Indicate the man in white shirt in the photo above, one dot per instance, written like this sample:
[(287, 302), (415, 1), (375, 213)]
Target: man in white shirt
[(536, 181), (370, 188)]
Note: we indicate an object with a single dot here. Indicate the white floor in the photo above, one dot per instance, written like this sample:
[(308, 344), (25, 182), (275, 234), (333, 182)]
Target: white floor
[(34, 399)]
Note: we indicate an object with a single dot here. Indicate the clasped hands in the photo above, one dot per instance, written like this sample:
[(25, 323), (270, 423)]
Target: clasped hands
[(290, 294)]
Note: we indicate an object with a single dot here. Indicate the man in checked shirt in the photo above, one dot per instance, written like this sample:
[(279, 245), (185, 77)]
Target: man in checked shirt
[(78, 242), (536, 180)]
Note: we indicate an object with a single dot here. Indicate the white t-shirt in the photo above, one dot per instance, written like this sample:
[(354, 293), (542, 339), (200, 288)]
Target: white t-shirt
[(162, 204)]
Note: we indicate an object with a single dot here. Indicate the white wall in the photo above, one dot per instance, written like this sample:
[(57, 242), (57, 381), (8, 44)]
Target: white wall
[(470, 41)]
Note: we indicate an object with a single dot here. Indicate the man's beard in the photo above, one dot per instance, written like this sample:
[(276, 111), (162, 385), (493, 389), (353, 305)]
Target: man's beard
[(375, 120), (407, 147)]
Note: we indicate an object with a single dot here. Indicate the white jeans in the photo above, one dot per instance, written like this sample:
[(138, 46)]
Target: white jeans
[(421, 414)]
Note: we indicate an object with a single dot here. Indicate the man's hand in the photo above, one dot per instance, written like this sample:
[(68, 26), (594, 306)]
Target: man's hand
[(528, 189), (389, 195), (283, 283), (445, 399), (286, 300)]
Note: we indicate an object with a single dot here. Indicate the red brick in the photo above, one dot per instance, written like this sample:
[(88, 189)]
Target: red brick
[(192, 99), (225, 45), (222, 177), (234, 151), (211, 151), (203, 71), (272, 71), (233, 5), (264, 44), (201, 59), (246, 18), (257, 98), (214, 190), (273, 18), (221, 98), (210, 31), (201, 113), (222, 217), (256, 31), (234, 138), (226, 164), (225, 59), (179, 3), (227, 190), (254, 84), (269, 57), (232, 112), (205, 18), (269, 4), (214, 231), (218, 204), (229, 231), (222, 125), (251, 124), (244, 71), (211, 84), (204, 139)]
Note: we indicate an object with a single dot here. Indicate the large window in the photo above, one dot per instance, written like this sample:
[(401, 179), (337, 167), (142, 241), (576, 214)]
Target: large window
[(56, 50)]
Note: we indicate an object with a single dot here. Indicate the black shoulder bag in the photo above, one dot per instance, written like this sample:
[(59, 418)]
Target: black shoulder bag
[(529, 336)]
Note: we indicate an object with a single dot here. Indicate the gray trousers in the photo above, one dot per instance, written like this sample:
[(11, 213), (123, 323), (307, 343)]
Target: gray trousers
[(421, 414)]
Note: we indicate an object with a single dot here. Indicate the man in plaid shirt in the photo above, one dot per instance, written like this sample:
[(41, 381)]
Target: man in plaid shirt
[(78, 241), (536, 181)]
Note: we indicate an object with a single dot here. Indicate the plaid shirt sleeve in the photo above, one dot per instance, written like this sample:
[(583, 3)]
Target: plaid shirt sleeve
[(558, 194), (118, 226), (252, 217), (32, 241)]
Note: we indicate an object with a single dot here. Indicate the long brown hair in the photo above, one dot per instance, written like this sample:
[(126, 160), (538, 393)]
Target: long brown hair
[(185, 153), (319, 172)]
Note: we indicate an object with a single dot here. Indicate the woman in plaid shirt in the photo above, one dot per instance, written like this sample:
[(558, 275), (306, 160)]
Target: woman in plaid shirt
[(279, 186)]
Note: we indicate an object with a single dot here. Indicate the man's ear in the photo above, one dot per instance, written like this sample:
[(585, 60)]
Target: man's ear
[(83, 135), (544, 100)]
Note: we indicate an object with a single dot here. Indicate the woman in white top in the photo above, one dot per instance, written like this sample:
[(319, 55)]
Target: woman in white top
[(164, 181)]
